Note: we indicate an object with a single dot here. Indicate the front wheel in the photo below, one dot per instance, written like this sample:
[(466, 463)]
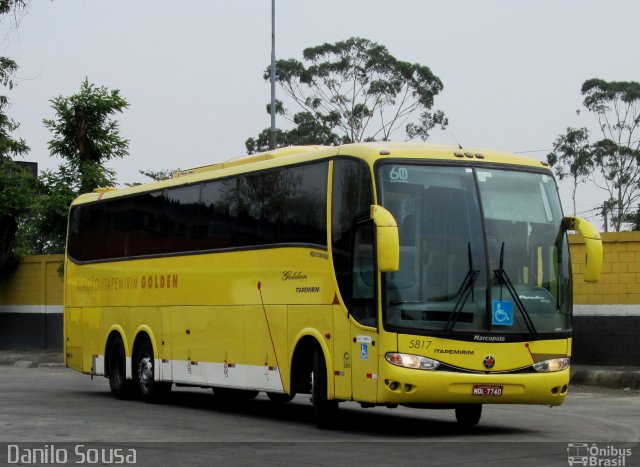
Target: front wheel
[(150, 389), (325, 410), (469, 415)]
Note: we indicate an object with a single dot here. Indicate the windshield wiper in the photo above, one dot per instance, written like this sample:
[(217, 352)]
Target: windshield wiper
[(502, 276), (466, 289)]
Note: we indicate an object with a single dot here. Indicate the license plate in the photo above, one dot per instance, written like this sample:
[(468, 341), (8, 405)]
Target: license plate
[(484, 390)]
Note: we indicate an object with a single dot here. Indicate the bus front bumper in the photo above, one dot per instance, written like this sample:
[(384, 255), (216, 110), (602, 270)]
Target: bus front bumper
[(399, 385)]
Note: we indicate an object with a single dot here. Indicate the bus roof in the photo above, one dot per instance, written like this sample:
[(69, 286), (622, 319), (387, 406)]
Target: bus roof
[(370, 152)]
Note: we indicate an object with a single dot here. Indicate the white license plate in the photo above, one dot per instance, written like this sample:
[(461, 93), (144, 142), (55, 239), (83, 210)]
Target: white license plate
[(485, 390)]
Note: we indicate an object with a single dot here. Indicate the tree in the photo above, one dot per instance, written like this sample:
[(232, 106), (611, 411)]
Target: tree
[(46, 229), (571, 157), (307, 131), (616, 106), (634, 220), (155, 175), (158, 175), (17, 186), (359, 91), (18, 189), (86, 136), (7, 6)]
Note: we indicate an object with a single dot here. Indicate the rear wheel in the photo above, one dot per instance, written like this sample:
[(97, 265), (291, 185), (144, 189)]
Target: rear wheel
[(325, 410), (469, 415), (120, 386), (150, 389)]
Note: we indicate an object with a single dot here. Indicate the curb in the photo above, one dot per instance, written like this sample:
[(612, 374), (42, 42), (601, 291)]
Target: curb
[(609, 378), (31, 359)]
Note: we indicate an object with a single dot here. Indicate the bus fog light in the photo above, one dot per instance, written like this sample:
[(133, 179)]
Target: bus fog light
[(555, 364), (411, 361)]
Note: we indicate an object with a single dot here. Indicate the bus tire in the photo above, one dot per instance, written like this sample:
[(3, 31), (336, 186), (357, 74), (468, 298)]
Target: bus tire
[(468, 415), (150, 389), (120, 386), (280, 398), (324, 410)]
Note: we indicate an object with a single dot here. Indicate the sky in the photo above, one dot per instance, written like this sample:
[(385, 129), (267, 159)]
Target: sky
[(192, 70)]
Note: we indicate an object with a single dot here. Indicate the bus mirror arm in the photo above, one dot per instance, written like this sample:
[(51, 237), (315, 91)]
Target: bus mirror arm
[(592, 243), (387, 240)]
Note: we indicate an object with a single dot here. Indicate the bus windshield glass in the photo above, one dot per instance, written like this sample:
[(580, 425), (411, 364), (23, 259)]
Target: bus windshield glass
[(481, 250)]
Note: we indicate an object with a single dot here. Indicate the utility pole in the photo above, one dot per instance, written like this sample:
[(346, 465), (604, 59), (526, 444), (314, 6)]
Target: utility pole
[(272, 138), (604, 214)]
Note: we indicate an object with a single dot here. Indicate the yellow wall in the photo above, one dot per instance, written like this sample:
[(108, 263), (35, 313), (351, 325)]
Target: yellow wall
[(620, 280), (35, 282)]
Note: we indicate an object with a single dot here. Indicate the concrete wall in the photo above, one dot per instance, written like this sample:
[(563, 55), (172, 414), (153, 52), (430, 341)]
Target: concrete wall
[(620, 282), (607, 313), (31, 305)]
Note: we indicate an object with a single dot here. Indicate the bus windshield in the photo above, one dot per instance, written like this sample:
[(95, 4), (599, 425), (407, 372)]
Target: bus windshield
[(481, 250)]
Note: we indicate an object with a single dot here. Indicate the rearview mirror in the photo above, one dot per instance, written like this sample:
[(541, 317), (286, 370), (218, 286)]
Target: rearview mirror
[(387, 240), (592, 243)]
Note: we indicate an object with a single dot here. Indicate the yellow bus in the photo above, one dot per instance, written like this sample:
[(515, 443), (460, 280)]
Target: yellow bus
[(382, 273)]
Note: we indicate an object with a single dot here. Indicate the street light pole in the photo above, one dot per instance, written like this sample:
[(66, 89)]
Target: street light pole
[(272, 138)]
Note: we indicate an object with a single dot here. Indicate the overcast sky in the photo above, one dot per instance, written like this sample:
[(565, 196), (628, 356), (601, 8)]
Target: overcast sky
[(192, 70)]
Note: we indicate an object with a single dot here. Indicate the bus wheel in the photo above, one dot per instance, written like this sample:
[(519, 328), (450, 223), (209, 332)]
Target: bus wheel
[(121, 388), (324, 410), (469, 415), (150, 389), (279, 397)]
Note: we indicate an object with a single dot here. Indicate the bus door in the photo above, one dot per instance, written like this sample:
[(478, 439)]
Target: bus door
[(363, 313)]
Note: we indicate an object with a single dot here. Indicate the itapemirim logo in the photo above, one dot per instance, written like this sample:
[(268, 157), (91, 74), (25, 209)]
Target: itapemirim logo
[(594, 455)]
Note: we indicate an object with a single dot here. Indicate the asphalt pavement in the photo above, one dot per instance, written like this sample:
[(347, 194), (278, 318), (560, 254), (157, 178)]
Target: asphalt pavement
[(618, 377)]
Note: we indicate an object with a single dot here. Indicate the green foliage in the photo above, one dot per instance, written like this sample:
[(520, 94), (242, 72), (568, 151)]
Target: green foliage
[(571, 157), (7, 6), (17, 186), (86, 135), (155, 175), (307, 132), (9, 146), (158, 175), (616, 106), (18, 191), (49, 220), (634, 220), (357, 91)]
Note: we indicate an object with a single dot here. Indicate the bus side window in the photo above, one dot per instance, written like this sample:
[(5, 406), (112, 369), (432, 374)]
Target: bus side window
[(304, 206)]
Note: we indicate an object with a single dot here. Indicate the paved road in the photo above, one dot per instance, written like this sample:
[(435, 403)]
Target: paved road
[(45, 407)]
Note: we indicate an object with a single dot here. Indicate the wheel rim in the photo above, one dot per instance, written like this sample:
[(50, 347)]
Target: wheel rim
[(145, 372)]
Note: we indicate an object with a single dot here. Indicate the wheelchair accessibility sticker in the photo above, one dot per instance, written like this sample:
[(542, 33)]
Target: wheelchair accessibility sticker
[(501, 313), (364, 352)]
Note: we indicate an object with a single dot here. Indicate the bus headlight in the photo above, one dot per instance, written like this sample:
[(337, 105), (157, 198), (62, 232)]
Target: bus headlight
[(411, 361), (555, 364)]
